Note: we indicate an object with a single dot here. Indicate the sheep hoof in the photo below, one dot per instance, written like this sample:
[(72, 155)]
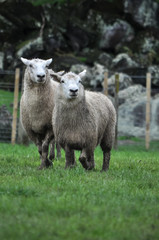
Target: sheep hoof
[(83, 161), (68, 166), (104, 170), (47, 164)]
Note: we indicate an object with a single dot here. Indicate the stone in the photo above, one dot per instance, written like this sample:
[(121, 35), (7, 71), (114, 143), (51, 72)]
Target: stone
[(122, 61), (132, 115), (154, 70), (131, 92), (30, 48), (105, 59), (143, 12), (125, 81), (98, 76), (1, 60), (117, 33)]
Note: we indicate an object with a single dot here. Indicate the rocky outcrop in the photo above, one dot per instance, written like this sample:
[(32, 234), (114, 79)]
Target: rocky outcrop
[(132, 115), (154, 70), (124, 82), (123, 61), (131, 92), (117, 33), (143, 12)]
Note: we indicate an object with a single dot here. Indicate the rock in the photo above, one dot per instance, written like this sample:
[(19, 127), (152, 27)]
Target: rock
[(122, 61), (115, 34), (143, 12), (97, 77), (149, 44), (31, 48), (1, 60), (77, 37), (64, 62), (105, 59), (137, 74), (154, 70), (132, 115), (77, 68), (125, 81), (5, 124), (130, 92)]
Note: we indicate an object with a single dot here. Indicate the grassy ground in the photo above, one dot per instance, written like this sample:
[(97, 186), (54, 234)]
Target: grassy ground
[(79, 205)]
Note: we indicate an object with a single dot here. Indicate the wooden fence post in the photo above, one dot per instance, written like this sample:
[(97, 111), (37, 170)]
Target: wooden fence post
[(148, 108), (116, 107), (106, 83), (15, 105)]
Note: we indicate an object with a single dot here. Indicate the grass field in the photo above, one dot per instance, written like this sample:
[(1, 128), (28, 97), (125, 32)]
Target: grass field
[(79, 205)]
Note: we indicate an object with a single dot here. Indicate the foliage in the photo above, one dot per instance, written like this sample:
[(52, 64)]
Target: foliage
[(41, 2), (76, 204)]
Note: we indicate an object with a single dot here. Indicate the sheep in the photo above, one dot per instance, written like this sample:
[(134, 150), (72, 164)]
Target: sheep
[(81, 120), (36, 107)]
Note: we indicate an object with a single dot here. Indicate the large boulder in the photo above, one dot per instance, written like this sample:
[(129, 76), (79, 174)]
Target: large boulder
[(132, 117), (105, 59), (131, 92), (122, 61), (115, 33), (143, 12), (1, 60), (30, 47), (154, 70), (125, 81), (97, 79)]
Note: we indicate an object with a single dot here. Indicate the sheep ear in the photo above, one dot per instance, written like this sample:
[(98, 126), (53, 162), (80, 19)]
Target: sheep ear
[(55, 76), (25, 61), (60, 73), (82, 74), (48, 62)]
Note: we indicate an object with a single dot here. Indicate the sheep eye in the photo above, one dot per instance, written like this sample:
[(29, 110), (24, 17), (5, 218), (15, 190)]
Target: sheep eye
[(62, 81), (31, 65), (80, 81)]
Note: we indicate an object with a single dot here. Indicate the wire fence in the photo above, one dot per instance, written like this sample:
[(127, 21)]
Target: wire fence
[(143, 119)]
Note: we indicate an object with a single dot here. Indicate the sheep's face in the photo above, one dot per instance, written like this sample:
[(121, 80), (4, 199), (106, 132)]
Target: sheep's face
[(37, 69), (70, 84)]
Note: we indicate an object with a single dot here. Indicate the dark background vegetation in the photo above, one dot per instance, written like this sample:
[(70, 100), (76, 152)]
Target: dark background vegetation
[(79, 31)]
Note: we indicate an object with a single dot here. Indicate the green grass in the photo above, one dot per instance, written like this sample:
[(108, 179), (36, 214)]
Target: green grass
[(79, 205), (7, 99)]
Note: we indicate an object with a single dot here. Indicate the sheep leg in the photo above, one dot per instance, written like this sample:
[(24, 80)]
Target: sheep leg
[(83, 159), (45, 162), (106, 145), (106, 159), (87, 159), (52, 149), (58, 148), (91, 163), (70, 158)]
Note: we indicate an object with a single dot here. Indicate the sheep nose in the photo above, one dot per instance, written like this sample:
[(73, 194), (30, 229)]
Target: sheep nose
[(41, 76), (74, 90)]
